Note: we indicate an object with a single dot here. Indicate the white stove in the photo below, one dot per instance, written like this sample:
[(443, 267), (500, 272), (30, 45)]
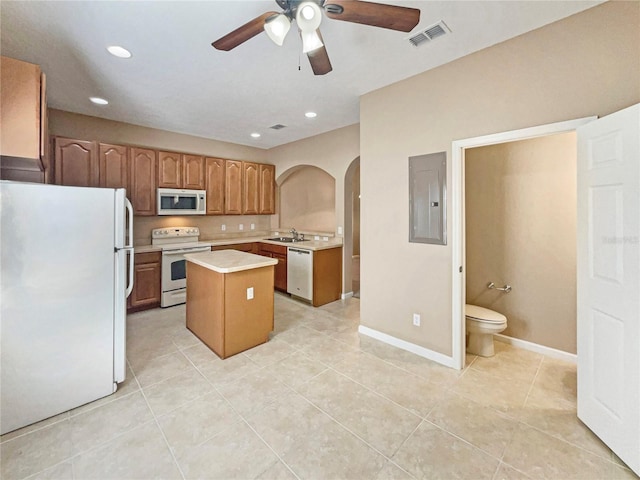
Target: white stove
[(175, 242)]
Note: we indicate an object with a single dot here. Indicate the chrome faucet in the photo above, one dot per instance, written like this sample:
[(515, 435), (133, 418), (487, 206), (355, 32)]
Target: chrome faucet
[(294, 233)]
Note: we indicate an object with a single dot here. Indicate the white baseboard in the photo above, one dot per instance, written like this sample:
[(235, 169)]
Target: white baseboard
[(534, 347), (408, 346), (347, 295)]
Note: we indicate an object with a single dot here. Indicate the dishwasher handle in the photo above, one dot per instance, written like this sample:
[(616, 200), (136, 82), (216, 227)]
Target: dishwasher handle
[(295, 250)]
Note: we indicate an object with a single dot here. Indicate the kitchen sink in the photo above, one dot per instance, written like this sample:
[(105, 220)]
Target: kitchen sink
[(286, 239)]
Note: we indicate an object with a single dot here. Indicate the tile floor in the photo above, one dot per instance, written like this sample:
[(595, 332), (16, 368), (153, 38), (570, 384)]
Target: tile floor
[(318, 401)]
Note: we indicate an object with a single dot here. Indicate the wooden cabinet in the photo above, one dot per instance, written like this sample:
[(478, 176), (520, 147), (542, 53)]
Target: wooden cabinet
[(113, 166), (142, 179), (193, 172), (279, 252), (23, 110), (147, 289), (327, 276), (220, 314), (169, 170), (267, 189), (250, 188), (251, 247), (76, 163), (214, 181), (177, 170), (233, 187)]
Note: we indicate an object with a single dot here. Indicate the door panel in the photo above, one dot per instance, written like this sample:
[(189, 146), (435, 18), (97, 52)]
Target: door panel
[(608, 264)]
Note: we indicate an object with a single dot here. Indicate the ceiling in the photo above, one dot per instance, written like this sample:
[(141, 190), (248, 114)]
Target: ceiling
[(176, 81)]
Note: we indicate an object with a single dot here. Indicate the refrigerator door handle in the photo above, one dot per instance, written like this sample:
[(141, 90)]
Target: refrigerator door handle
[(129, 247)]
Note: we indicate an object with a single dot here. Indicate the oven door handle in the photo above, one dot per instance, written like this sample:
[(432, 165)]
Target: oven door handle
[(190, 250)]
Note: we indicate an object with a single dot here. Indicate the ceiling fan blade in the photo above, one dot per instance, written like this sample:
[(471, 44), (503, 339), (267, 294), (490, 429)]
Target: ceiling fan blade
[(319, 59), (392, 17), (243, 33)]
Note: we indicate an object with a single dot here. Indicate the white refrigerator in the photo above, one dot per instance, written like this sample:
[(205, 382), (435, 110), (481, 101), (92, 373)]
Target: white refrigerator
[(63, 290)]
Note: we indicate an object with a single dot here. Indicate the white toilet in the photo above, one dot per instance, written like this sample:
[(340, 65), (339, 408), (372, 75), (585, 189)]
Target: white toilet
[(482, 323)]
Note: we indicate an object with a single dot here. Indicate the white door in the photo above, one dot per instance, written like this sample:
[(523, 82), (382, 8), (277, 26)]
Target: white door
[(609, 281)]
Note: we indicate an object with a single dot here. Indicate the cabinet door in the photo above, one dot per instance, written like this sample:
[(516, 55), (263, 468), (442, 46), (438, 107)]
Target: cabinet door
[(193, 172), (142, 176), (76, 163), (250, 188), (21, 102), (280, 280), (267, 189), (113, 166), (147, 285), (169, 170), (214, 182), (233, 187)]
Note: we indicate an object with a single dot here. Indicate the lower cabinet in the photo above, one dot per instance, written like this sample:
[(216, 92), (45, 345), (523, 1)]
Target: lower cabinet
[(327, 276), (147, 288), (278, 252)]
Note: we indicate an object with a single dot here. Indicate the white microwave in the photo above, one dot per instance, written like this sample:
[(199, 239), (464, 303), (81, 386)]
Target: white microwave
[(174, 201)]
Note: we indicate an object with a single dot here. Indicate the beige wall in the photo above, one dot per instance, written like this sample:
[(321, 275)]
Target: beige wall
[(308, 201), (83, 127), (559, 72), (520, 211), (333, 152)]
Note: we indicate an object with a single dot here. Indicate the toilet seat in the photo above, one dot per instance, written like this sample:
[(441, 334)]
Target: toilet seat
[(482, 314)]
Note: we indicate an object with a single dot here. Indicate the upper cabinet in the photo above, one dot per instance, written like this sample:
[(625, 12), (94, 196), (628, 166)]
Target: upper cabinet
[(250, 188), (193, 172), (114, 163), (177, 170), (267, 189), (169, 170), (233, 187), (23, 116), (23, 109), (142, 179), (76, 163), (214, 181)]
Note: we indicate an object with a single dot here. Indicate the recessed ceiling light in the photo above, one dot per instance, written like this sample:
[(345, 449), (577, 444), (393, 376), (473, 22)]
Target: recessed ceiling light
[(311, 114), (255, 135), (118, 51), (99, 101)]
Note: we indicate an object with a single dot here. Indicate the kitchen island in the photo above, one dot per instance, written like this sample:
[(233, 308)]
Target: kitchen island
[(230, 299)]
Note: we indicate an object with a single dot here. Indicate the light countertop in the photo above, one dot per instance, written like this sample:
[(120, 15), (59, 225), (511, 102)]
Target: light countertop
[(307, 244), (229, 261)]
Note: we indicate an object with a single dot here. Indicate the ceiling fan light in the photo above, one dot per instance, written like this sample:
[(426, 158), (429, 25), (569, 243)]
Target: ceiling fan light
[(308, 16), (310, 41), (277, 28)]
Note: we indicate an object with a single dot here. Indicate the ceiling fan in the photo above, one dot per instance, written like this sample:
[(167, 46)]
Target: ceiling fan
[(308, 15)]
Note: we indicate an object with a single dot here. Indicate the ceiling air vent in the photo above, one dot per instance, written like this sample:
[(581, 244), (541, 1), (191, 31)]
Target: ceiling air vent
[(430, 33), (278, 126)]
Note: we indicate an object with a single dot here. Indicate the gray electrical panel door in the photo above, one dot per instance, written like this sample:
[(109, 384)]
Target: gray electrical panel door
[(427, 195)]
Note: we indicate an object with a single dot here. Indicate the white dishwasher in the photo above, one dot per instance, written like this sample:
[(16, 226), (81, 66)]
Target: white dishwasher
[(300, 273)]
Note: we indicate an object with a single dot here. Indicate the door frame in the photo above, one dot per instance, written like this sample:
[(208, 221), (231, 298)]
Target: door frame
[(457, 195)]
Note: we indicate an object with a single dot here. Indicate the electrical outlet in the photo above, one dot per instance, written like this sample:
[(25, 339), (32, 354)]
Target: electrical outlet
[(416, 319), (316, 237), (339, 230), (241, 227), (223, 227), (250, 293), (253, 226)]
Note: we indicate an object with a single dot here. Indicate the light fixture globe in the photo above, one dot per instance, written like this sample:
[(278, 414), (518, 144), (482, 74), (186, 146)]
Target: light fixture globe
[(277, 28), (308, 16), (310, 41)]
